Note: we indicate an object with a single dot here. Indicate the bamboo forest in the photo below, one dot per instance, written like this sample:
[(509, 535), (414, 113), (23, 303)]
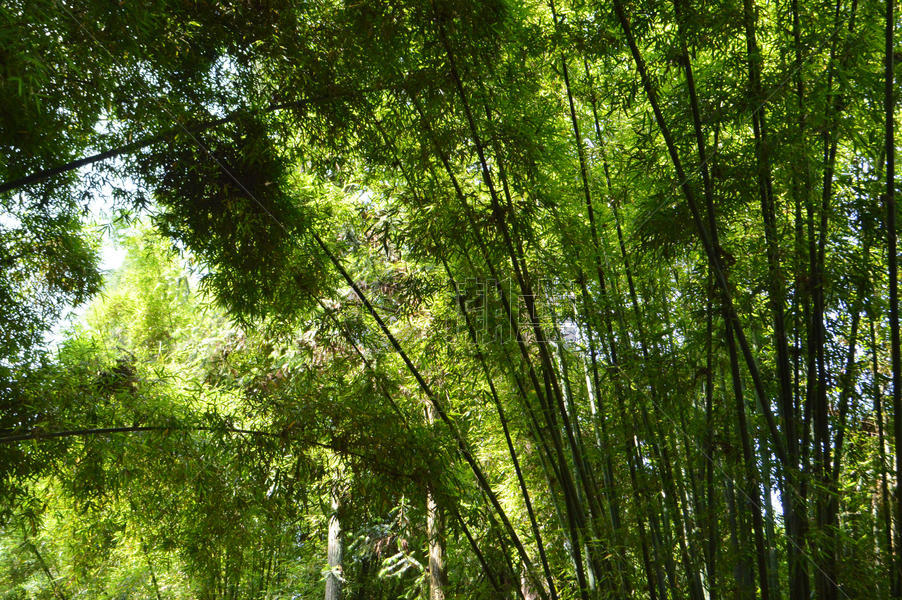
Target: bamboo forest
[(450, 299)]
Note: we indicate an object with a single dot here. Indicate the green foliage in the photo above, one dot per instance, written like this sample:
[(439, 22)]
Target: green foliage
[(49, 264), (477, 254), (227, 201)]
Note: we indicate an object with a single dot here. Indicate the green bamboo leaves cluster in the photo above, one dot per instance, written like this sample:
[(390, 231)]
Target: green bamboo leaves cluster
[(566, 299)]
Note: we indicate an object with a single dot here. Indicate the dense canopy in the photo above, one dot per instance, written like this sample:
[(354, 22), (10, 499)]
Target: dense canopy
[(449, 299)]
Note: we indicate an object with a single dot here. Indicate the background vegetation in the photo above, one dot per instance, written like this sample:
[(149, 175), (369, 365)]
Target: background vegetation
[(474, 299)]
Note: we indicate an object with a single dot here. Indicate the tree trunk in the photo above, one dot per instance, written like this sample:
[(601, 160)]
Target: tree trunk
[(334, 552), (892, 258), (435, 534)]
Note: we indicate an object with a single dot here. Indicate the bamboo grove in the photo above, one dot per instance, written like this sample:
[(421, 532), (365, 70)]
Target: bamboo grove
[(497, 299)]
